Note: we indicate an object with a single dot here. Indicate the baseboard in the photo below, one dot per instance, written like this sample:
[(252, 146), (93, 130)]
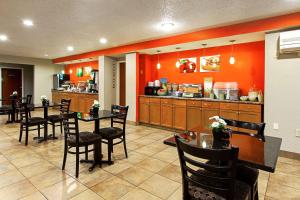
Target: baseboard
[(290, 155), (132, 123)]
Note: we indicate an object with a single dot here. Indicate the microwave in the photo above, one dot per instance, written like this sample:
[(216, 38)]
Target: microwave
[(149, 90)]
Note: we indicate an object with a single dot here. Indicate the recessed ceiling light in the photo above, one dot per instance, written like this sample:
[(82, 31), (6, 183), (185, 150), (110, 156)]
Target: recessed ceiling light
[(103, 40), (3, 37), (28, 22), (70, 48), (46, 55), (167, 26)]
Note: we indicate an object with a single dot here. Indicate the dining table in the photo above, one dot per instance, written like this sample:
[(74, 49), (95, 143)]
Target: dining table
[(96, 118), (253, 151)]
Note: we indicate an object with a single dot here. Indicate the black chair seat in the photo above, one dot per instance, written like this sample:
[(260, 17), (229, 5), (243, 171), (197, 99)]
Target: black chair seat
[(242, 191), (55, 118), (111, 132), (85, 138), (34, 121)]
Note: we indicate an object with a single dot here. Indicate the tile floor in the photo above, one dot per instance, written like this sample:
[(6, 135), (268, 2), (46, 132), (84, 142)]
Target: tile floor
[(151, 171)]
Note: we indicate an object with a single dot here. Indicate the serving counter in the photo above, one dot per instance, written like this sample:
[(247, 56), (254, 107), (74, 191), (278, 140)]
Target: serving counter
[(188, 113), (80, 101)]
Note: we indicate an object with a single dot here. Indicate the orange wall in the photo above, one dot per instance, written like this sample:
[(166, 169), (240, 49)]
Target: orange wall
[(248, 69), (73, 77)]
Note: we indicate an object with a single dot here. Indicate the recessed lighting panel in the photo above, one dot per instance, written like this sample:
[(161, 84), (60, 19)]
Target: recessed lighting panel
[(3, 37), (28, 22), (103, 40), (46, 55), (167, 26), (70, 48)]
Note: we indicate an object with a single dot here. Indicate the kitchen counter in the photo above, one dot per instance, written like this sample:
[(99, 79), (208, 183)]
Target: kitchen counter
[(64, 91), (204, 99)]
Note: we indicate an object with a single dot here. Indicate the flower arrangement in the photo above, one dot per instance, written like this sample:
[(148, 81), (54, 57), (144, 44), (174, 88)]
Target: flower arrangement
[(219, 124), (44, 99), (15, 93), (95, 108), (96, 104)]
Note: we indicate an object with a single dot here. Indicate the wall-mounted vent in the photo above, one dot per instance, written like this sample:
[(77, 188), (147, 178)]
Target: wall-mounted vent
[(289, 42)]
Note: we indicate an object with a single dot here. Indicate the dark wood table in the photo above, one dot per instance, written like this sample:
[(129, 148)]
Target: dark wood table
[(86, 117), (253, 152), (46, 109)]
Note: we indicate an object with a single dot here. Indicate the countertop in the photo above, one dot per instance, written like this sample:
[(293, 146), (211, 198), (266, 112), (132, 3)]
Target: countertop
[(204, 99), (63, 91)]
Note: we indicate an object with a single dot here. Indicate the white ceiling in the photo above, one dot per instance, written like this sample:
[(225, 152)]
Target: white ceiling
[(60, 23)]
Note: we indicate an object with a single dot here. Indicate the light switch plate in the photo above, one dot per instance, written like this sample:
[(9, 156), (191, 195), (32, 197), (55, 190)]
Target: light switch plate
[(275, 126), (297, 132)]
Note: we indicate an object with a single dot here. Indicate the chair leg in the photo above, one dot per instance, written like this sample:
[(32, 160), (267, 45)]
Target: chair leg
[(39, 130), (61, 127), (109, 147), (256, 193), (21, 132), (125, 149), (65, 155), (77, 161), (86, 152), (53, 130), (26, 138)]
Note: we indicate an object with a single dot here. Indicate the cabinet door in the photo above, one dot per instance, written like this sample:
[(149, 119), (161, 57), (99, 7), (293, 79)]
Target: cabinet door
[(154, 113), (230, 114), (179, 117), (89, 101), (206, 114), (167, 115), (144, 112), (194, 118), (249, 117)]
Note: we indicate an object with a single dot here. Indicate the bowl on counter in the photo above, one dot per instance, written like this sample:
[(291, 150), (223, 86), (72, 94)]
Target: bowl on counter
[(244, 98)]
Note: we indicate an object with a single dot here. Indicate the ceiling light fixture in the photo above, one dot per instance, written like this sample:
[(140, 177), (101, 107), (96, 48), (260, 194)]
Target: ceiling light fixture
[(178, 60), (70, 48), (158, 66), (28, 22), (70, 71), (103, 40), (203, 59), (232, 58), (3, 37), (167, 26)]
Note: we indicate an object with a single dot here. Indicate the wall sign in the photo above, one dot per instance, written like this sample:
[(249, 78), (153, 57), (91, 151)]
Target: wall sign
[(210, 63)]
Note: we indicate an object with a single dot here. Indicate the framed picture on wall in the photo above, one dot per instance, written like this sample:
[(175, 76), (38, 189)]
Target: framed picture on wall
[(79, 72), (188, 65), (87, 71), (210, 63)]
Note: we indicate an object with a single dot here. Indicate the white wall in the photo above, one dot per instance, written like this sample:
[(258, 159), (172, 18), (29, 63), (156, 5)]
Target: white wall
[(131, 67), (282, 95), (43, 71), (107, 85)]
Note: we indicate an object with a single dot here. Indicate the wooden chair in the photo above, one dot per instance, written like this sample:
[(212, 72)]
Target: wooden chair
[(54, 119), (109, 134), (27, 100), (76, 139), (245, 173), (26, 122), (210, 180)]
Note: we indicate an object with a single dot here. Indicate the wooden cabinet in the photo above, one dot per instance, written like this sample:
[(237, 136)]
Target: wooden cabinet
[(194, 118), (206, 114), (166, 113), (144, 110), (154, 111), (179, 111)]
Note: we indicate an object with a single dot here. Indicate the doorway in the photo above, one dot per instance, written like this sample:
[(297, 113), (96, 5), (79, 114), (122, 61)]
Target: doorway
[(122, 88), (11, 81)]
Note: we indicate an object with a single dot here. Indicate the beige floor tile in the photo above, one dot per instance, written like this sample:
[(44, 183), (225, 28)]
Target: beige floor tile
[(36, 168), (177, 195), (17, 190), (134, 157), (87, 195), (285, 179), (139, 194), (5, 167), (113, 188), (278, 191), (90, 179), (48, 178), (166, 156), (172, 172), (35, 196), (133, 145), (152, 164), (148, 150), (10, 177), (117, 167), (25, 161), (65, 189), (135, 175), (154, 185), (288, 169), (262, 185)]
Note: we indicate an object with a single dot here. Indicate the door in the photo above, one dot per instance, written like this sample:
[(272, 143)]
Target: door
[(122, 92), (11, 81)]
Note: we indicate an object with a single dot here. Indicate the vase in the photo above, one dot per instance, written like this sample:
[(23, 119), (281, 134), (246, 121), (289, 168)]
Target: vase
[(220, 134), (95, 111), (45, 102)]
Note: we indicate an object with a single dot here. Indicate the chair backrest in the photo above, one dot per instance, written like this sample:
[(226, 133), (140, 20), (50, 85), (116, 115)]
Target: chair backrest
[(257, 127), (218, 177), (120, 119), (70, 124), (28, 98), (65, 106), (24, 113)]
